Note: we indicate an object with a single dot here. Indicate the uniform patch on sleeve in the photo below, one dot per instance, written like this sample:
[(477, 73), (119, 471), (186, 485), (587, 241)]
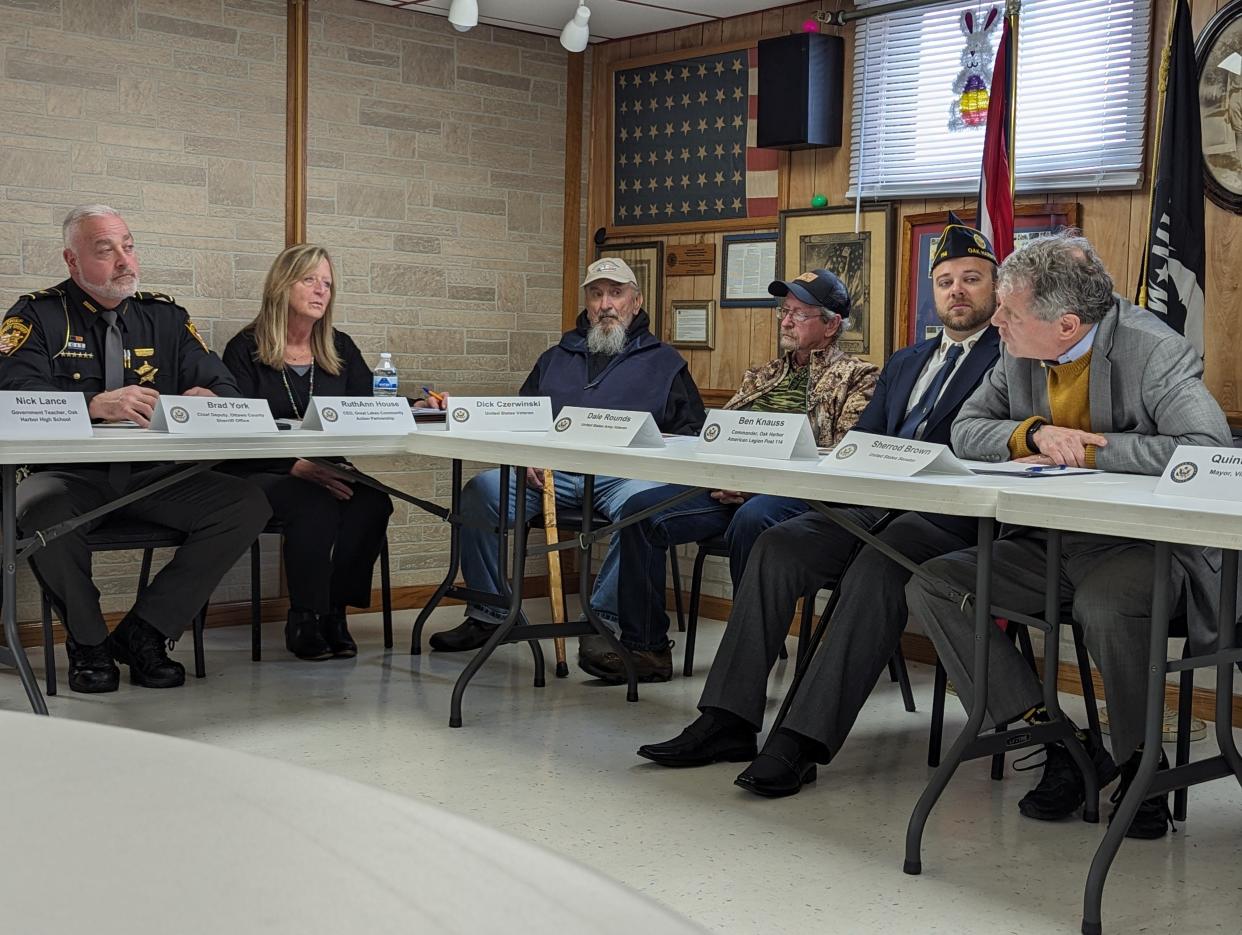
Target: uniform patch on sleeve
[(13, 334), (190, 326)]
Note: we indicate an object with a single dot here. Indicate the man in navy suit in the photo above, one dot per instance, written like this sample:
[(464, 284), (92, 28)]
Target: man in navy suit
[(918, 395)]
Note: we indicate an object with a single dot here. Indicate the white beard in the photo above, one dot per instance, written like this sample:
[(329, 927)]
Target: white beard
[(607, 341), (110, 290)]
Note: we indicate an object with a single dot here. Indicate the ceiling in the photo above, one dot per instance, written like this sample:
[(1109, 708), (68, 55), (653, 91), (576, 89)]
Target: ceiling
[(610, 19)]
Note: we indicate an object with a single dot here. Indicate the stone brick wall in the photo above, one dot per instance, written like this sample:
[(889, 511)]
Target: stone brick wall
[(435, 180), (436, 175)]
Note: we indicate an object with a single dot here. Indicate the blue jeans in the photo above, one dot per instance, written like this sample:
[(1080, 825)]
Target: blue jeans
[(480, 503), (644, 547)]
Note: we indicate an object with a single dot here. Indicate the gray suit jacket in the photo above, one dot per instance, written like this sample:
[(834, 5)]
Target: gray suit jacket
[(1146, 397)]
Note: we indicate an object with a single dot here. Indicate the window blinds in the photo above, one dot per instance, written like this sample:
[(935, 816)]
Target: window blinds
[(1081, 99)]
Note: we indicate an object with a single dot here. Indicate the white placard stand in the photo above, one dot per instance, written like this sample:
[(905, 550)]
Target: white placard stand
[(211, 415), (777, 435), (35, 414), (1205, 473), (499, 414), (605, 428), (862, 453), (360, 415)]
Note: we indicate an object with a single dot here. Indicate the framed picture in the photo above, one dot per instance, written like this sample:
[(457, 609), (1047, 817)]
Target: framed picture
[(679, 137), (647, 262), (920, 234), (694, 324), (747, 267), (825, 238), (1218, 59)]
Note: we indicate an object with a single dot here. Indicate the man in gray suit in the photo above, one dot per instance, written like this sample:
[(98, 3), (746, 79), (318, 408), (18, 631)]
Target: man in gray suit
[(1085, 379)]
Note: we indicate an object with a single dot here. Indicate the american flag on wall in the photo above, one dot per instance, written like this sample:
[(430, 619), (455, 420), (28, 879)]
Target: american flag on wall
[(684, 142)]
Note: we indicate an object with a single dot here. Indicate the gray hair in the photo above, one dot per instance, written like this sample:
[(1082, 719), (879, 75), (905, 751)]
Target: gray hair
[(1064, 274), (75, 217)]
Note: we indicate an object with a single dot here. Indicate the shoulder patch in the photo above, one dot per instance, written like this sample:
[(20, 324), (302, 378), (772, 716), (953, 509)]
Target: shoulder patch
[(155, 297), (190, 327), (13, 334), (43, 294)]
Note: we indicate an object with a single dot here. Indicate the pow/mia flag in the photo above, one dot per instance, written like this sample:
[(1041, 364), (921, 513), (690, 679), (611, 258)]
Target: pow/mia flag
[(1172, 279)]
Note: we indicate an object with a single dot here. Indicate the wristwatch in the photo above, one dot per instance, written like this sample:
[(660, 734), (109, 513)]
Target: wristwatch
[(1030, 436)]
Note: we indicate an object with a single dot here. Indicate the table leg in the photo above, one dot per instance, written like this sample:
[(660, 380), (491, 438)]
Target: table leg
[(515, 594), (948, 765), (8, 512), (1226, 626), (1152, 739), (1052, 663), (454, 562), (584, 589)]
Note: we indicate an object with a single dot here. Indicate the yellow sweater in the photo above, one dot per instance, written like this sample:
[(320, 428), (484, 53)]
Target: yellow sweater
[(1069, 402)]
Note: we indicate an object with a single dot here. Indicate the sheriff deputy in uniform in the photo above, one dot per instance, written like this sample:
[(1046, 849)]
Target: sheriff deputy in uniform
[(96, 334)]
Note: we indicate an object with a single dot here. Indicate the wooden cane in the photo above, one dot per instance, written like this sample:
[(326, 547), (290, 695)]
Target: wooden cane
[(556, 590)]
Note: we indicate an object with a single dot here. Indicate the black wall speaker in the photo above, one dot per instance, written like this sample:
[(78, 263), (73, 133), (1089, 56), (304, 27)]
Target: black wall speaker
[(800, 91)]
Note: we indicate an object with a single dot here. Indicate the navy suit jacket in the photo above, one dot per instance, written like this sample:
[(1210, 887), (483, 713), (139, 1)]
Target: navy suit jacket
[(887, 409)]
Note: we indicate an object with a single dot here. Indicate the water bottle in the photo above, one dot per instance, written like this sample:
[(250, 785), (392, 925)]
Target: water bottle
[(384, 376)]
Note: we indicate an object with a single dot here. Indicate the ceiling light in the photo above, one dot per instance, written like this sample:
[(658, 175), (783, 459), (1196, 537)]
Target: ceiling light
[(464, 14), (575, 35)]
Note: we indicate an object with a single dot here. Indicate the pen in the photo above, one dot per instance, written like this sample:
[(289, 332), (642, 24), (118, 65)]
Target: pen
[(432, 394), (1040, 468)]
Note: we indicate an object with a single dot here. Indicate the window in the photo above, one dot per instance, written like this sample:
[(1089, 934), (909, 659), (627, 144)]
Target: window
[(1081, 99)]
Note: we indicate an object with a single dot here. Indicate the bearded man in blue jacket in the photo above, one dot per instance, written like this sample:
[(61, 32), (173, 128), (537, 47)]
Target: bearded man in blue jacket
[(609, 360)]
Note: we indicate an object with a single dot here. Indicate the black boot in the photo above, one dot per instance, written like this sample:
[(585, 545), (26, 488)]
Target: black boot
[(91, 669), (1153, 818), (303, 637), (467, 635), (336, 634), (1059, 792), (140, 646)]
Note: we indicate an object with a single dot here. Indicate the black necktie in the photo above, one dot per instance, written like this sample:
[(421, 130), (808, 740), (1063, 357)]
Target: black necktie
[(114, 379), (913, 424)]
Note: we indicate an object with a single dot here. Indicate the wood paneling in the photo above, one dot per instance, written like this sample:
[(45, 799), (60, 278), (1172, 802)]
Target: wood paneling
[(1115, 221), (571, 219)]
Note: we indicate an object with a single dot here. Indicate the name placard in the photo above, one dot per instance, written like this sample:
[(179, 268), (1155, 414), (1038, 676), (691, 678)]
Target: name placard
[(605, 428), (1206, 473), (44, 415), (499, 414), (860, 452), (211, 415), (777, 435), (360, 415)]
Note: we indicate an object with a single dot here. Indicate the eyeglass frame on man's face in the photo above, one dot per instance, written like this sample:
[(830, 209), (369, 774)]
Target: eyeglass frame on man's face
[(799, 317)]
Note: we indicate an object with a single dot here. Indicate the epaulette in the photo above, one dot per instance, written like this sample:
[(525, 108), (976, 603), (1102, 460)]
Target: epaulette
[(154, 297), (43, 294)]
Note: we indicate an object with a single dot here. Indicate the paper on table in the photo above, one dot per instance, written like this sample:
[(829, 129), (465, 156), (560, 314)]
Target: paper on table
[(1022, 469)]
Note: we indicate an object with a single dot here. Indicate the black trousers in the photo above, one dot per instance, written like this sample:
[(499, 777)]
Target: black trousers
[(220, 515), (330, 545)]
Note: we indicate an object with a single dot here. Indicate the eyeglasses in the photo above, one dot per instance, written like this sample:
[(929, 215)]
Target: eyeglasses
[(797, 317)]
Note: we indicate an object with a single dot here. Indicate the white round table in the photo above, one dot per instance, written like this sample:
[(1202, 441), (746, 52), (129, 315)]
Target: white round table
[(112, 830)]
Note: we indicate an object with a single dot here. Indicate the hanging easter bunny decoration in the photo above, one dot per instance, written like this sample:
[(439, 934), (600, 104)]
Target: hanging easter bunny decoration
[(970, 88)]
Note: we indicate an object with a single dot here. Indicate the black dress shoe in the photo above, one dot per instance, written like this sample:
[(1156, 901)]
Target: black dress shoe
[(1059, 792), (91, 669), (603, 662), (304, 637), (467, 635), (710, 739), (140, 646), (780, 770), (335, 633), (1153, 818)]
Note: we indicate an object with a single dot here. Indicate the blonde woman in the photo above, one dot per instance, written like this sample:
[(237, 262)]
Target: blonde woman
[(333, 529)]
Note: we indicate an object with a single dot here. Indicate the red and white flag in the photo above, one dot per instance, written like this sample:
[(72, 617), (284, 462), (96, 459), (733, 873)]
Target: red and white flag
[(996, 179)]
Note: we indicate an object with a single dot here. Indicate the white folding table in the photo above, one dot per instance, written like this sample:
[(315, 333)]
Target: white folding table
[(113, 444)]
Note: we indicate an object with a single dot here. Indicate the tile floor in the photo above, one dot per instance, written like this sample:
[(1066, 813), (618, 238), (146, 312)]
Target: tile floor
[(557, 766)]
